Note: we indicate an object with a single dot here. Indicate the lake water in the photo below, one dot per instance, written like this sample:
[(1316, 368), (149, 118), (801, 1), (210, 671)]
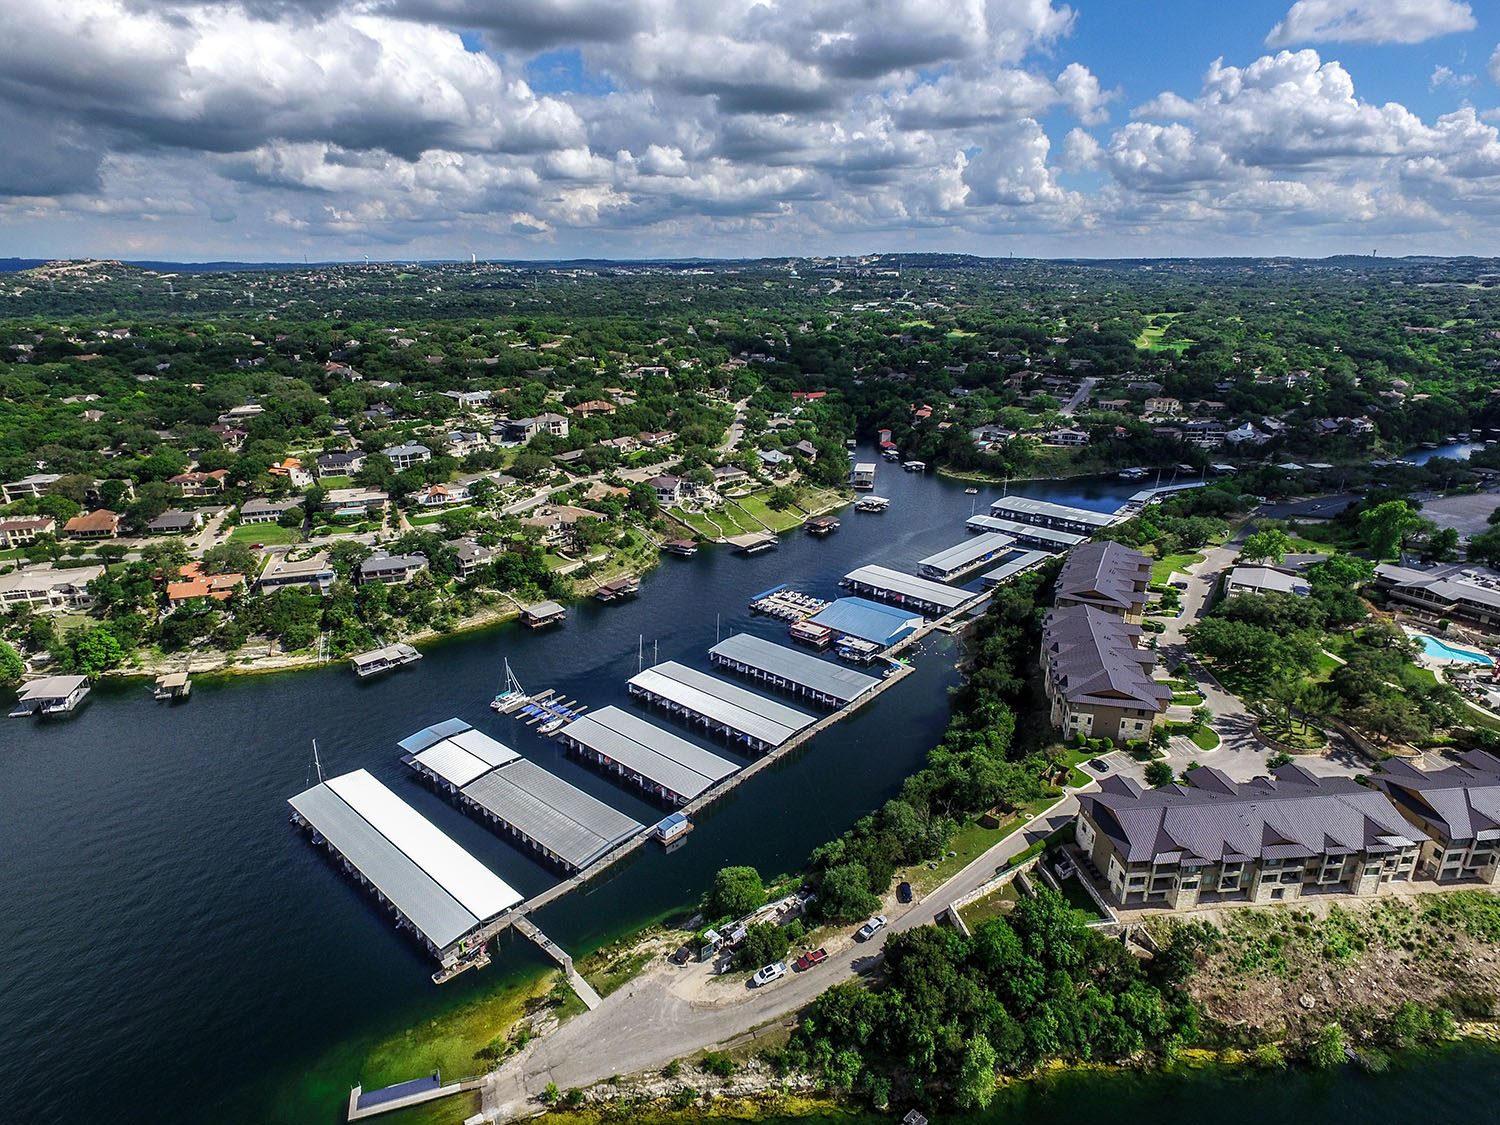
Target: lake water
[(176, 951)]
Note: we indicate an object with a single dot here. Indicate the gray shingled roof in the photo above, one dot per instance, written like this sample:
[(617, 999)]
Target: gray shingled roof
[(1295, 814), (1092, 657), (1461, 802), (1105, 575)]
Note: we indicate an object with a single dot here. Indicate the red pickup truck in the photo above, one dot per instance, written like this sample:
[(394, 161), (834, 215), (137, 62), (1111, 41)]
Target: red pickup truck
[(808, 960)]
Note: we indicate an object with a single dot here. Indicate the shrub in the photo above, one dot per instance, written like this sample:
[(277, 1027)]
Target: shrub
[(717, 1063), (1326, 1049), (549, 1093)]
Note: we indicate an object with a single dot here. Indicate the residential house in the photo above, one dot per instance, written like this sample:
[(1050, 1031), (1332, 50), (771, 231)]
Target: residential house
[(1097, 678), (46, 588), (193, 585), (1162, 404), (1107, 576), (1205, 433), (340, 464), (174, 521), (524, 429), (806, 449), (391, 570), (1066, 437), (667, 489), (622, 445), (37, 484), (1246, 433), (353, 499), (471, 556), (281, 573), (100, 524), (441, 495), (291, 469), (405, 456), (470, 399), (729, 474), (1457, 808), (266, 511), (200, 484), (655, 439), (461, 442), (594, 406), (1270, 839), (21, 530), (775, 462)]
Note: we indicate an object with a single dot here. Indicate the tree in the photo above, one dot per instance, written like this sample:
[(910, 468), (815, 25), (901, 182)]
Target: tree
[(96, 651), (1158, 774), (1272, 544), (12, 667), (976, 1077), (1202, 716), (1327, 1047), (845, 894), (764, 943), (229, 558), (1485, 547), (736, 892), (1441, 546), (1387, 527)]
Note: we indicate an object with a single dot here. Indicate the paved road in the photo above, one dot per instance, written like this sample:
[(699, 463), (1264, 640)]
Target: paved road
[(1080, 396), (665, 1014)]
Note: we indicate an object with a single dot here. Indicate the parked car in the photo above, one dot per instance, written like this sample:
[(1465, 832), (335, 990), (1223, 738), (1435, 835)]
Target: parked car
[(868, 930), (903, 893), (808, 960), (1098, 765), (767, 973)]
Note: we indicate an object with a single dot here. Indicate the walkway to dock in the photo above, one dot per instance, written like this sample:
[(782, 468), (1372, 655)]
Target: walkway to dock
[(404, 1095), (586, 993)]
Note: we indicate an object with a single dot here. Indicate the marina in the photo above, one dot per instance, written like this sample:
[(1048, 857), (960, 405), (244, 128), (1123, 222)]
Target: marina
[(50, 695), (805, 632), (433, 887), (1027, 534), (383, 659), (971, 553), (793, 671), (1045, 513), (511, 696), (452, 753), (757, 723), (932, 598), (642, 754), (786, 604), (1014, 563), (862, 619)]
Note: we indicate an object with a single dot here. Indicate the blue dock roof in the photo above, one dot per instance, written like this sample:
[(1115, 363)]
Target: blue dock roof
[(869, 621)]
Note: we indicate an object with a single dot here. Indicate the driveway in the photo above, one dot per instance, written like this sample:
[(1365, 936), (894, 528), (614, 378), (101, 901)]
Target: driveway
[(669, 1012), (1080, 396)]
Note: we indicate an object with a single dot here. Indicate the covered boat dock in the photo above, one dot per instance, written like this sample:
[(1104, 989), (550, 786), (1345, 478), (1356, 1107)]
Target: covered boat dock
[(452, 753), (819, 680), (430, 883), (944, 566), (50, 695), (1027, 534), (759, 723), (657, 760), (881, 625), (892, 586), (1017, 562), (1044, 513)]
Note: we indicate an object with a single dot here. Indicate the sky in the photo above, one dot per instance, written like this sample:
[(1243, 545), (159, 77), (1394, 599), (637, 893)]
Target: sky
[(284, 130)]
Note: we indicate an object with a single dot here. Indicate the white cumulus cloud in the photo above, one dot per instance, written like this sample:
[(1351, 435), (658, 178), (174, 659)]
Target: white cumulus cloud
[(1370, 21)]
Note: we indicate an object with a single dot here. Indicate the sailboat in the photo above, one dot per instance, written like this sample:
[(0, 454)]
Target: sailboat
[(511, 697)]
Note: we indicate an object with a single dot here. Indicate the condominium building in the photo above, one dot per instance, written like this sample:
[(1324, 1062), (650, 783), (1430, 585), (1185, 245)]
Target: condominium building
[(1098, 680)]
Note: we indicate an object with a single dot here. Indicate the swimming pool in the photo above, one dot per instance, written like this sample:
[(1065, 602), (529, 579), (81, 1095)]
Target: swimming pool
[(1434, 647)]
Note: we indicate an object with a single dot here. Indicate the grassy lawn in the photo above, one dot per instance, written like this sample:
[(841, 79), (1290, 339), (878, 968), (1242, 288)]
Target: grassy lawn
[(1187, 698), (1325, 666), (970, 842), (1079, 899), (997, 902), (271, 534), (1151, 339), (1165, 565), (336, 482), (1206, 738), (778, 521), (957, 334), (698, 523), (611, 968)]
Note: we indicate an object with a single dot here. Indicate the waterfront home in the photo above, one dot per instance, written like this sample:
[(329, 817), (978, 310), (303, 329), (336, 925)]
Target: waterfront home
[(101, 524), (193, 585), (200, 484), (1107, 576), (471, 556), (775, 462), (667, 489), (1097, 677), (1458, 808), (24, 529), (47, 588), (282, 572), (340, 464), (37, 484), (1270, 839), (391, 570), (174, 521), (405, 456)]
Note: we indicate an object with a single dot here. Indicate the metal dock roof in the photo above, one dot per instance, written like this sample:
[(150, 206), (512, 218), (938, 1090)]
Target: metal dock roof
[(1046, 509), (1013, 564), (476, 888), (1027, 532), (884, 580), (437, 890), (428, 735), (754, 715), (644, 748), (559, 818), (869, 621), (840, 684), (455, 752), (965, 555)]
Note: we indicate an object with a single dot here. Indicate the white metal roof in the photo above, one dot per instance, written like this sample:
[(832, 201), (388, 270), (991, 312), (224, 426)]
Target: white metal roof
[(1026, 530), (885, 580), (833, 680), (656, 754), (965, 554), (475, 887), (569, 823), (743, 711), (52, 687)]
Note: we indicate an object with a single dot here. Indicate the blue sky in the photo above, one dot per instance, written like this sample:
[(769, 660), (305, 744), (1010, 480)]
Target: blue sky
[(278, 129)]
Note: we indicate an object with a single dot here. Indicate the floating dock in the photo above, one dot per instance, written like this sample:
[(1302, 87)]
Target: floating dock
[(432, 885), (785, 604), (1017, 562), (1044, 513), (862, 619), (872, 504), (805, 632), (1027, 534), (787, 668), (50, 695), (383, 659), (552, 817), (726, 709), (755, 543), (974, 552), (920, 594), (452, 753), (643, 754)]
